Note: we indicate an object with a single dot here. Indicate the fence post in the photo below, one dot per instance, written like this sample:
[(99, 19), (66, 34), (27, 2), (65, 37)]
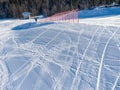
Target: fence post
[(69, 16), (78, 15), (73, 17)]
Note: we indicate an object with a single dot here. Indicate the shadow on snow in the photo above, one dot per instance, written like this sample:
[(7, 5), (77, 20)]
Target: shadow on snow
[(31, 25), (99, 12)]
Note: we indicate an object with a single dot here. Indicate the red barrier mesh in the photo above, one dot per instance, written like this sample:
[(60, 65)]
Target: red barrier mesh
[(68, 16)]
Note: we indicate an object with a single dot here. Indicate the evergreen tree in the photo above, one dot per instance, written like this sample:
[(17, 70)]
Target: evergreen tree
[(14, 8)]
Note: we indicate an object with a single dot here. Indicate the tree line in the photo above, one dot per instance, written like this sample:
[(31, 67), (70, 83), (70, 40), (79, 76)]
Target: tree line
[(14, 8)]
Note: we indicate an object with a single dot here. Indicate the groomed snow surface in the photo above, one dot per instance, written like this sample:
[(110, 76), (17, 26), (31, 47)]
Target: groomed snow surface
[(60, 56)]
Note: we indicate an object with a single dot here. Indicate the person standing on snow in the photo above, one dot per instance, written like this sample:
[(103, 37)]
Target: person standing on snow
[(79, 6), (35, 19)]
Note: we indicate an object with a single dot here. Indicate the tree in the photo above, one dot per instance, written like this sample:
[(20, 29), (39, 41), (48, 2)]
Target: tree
[(14, 8)]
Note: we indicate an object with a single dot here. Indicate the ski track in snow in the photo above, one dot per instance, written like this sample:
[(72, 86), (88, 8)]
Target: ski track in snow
[(102, 58), (55, 57), (78, 68)]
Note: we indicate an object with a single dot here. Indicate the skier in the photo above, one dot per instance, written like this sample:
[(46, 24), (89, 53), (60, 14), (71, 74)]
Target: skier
[(35, 19), (79, 7)]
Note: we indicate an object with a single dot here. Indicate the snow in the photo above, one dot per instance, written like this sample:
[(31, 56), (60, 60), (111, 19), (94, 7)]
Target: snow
[(104, 16), (26, 14), (99, 12), (59, 55)]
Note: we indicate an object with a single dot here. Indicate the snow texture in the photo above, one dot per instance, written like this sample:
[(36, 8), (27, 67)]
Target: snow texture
[(59, 56)]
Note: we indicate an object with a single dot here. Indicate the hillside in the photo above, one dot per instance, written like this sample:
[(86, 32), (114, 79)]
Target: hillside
[(15, 8), (60, 55)]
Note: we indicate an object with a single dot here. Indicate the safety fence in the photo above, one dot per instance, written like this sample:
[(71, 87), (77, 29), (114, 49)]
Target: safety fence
[(68, 16)]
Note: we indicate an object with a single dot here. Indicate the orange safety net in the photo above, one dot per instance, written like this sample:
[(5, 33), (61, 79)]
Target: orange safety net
[(67, 16)]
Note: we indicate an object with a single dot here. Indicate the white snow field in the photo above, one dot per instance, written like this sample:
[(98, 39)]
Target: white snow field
[(60, 56)]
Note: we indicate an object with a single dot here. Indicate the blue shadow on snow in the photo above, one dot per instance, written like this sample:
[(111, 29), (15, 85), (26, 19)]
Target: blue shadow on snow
[(31, 25), (99, 12)]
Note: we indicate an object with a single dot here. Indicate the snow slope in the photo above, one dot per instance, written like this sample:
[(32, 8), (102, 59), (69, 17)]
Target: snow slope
[(99, 12), (101, 16), (60, 56)]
